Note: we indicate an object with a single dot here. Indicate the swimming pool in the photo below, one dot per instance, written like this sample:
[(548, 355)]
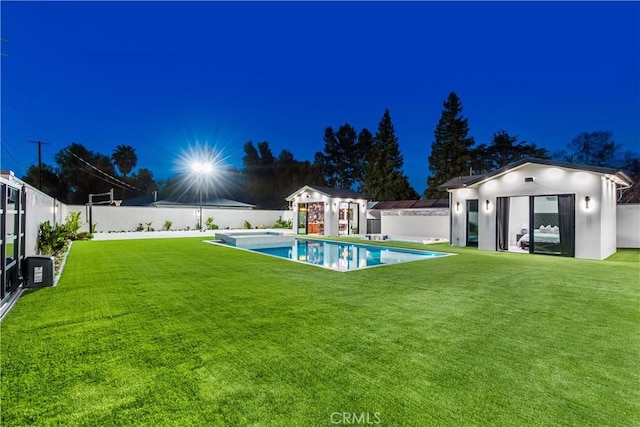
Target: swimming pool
[(343, 256)]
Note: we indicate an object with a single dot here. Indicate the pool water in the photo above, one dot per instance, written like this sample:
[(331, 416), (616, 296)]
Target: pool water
[(343, 256)]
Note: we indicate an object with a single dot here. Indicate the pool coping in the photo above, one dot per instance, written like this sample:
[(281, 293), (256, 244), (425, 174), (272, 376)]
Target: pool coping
[(442, 254)]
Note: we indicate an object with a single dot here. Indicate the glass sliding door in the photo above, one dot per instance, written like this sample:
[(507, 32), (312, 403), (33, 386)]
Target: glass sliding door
[(552, 225), (302, 218), (354, 218), (472, 223), (347, 219), (343, 219)]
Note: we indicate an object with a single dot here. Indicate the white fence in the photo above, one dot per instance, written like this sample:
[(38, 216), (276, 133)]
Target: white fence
[(628, 226), (129, 218), (415, 224)]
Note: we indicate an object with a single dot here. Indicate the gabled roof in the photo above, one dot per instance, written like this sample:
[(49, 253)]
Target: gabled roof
[(620, 177), (412, 204), (460, 181), (329, 192)]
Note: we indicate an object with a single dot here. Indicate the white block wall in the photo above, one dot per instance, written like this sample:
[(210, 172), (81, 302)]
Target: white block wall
[(628, 226), (127, 218), (415, 222)]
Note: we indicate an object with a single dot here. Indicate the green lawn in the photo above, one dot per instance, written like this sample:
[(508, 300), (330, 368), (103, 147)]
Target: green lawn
[(179, 332)]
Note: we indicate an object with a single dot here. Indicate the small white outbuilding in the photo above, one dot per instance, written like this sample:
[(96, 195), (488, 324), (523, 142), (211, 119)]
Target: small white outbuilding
[(325, 211), (538, 206)]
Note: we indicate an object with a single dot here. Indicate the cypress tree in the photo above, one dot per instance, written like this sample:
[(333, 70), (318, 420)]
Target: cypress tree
[(340, 159), (365, 146), (384, 179), (451, 149)]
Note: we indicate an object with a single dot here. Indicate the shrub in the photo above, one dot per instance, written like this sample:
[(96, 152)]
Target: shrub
[(140, 227), (247, 224), (72, 224), (51, 239), (167, 225), (280, 223), (148, 226), (210, 225), (84, 235)]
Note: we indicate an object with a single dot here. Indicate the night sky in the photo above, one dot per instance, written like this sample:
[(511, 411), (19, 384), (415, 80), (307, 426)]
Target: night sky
[(163, 76)]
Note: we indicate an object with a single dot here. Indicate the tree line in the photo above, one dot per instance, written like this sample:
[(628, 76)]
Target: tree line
[(350, 159)]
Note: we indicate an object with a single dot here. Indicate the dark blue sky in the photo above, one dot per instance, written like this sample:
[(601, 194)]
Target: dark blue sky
[(160, 76)]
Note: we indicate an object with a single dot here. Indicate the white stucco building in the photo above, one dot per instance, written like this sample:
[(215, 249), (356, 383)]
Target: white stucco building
[(325, 211), (538, 206)]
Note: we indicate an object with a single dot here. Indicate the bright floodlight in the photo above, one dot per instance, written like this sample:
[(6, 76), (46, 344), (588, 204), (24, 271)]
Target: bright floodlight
[(201, 167)]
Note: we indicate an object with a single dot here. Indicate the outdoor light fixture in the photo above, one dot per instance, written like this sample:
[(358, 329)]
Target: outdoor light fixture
[(201, 169), (487, 202), (457, 206), (587, 199), (529, 179)]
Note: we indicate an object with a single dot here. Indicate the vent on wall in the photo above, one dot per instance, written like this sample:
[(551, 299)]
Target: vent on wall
[(529, 179)]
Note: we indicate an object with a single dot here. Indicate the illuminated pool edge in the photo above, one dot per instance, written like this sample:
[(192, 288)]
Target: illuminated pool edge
[(422, 254)]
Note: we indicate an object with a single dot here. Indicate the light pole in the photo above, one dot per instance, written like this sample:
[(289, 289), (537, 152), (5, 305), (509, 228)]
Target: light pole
[(202, 169)]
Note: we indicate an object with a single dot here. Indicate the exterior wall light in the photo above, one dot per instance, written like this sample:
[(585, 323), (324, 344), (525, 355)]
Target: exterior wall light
[(457, 206), (529, 179), (587, 199), (488, 203)]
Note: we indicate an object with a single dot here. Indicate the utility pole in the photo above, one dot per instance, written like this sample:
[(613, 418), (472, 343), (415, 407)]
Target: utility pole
[(39, 161)]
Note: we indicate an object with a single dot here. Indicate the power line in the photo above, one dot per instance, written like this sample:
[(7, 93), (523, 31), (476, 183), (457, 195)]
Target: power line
[(103, 172), (97, 176), (100, 178), (6, 149)]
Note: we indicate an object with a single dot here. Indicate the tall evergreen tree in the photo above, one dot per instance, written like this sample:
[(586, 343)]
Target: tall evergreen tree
[(365, 148), (259, 172), (340, 159), (292, 174), (269, 180), (384, 179), (451, 149)]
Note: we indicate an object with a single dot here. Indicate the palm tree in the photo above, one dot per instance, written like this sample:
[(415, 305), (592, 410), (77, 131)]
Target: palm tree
[(124, 157)]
